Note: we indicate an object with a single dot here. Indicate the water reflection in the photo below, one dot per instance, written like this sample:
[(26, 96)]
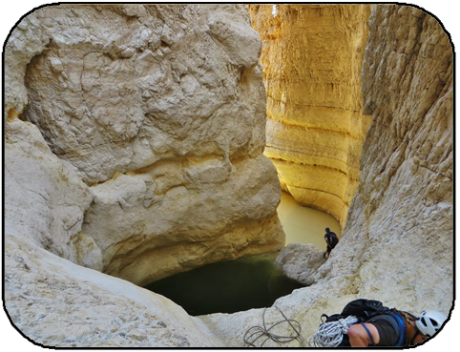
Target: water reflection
[(305, 225)]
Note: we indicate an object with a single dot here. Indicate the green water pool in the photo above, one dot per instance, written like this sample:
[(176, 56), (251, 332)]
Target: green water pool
[(227, 287)]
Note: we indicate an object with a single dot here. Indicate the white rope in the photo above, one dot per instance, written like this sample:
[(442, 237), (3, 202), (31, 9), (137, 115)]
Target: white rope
[(331, 334)]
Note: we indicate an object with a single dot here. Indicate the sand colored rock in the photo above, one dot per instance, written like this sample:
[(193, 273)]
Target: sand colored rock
[(300, 261), (45, 200), (55, 302), (187, 226), (136, 91), (312, 58)]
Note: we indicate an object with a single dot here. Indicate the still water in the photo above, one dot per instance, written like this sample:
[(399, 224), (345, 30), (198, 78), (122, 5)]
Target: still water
[(227, 287), (305, 225), (250, 282)]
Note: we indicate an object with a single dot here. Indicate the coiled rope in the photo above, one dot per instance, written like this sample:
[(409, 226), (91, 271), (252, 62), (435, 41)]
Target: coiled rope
[(254, 333), (331, 334)]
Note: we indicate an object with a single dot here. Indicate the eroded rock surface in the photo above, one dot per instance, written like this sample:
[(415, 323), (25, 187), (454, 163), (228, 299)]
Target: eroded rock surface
[(45, 200), (300, 261), (161, 113), (55, 302)]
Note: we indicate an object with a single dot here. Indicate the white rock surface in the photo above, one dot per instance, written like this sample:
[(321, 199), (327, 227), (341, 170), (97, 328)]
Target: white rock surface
[(45, 200), (57, 303), (300, 261)]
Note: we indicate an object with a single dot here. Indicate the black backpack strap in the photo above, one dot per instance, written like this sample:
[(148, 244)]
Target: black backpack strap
[(369, 333)]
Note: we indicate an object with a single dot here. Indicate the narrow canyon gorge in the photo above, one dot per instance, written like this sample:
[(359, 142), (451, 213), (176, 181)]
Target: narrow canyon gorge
[(315, 121), (144, 141)]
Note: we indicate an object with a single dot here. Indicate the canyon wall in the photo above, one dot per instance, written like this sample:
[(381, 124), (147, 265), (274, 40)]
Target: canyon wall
[(312, 58), (401, 220), (159, 116), (397, 245)]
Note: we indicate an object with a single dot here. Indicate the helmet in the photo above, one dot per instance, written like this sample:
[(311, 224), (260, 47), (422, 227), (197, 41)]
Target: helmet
[(429, 322), (327, 229)]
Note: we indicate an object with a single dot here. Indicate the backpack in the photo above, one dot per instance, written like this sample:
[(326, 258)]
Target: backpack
[(363, 309), (333, 239)]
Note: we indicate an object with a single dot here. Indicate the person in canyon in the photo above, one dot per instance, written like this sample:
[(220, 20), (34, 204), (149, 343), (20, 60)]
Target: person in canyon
[(331, 241), (384, 330)]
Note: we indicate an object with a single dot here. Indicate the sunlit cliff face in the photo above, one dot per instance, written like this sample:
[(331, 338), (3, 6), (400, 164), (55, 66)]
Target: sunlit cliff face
[(312, 58)]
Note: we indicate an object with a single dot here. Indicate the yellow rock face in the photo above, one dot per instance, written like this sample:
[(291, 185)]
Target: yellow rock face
[(312, 57)]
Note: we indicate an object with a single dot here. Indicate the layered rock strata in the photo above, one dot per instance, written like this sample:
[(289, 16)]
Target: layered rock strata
[(312, 58), (160, 113)]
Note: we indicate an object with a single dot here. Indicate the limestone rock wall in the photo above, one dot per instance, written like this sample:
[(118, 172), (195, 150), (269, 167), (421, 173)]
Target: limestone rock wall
[(312, 58), (159, 111), (401, 220)]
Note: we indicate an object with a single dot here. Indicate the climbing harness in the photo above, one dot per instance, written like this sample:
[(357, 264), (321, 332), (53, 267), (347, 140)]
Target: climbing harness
[(330, 334), (402, 329), (254, 333), (409, 330)]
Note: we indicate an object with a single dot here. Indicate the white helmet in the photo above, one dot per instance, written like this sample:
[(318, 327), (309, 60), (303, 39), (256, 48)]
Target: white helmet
[(429, 322)]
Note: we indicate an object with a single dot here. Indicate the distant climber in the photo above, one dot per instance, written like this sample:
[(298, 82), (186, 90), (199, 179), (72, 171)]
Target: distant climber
[(331, 240)]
